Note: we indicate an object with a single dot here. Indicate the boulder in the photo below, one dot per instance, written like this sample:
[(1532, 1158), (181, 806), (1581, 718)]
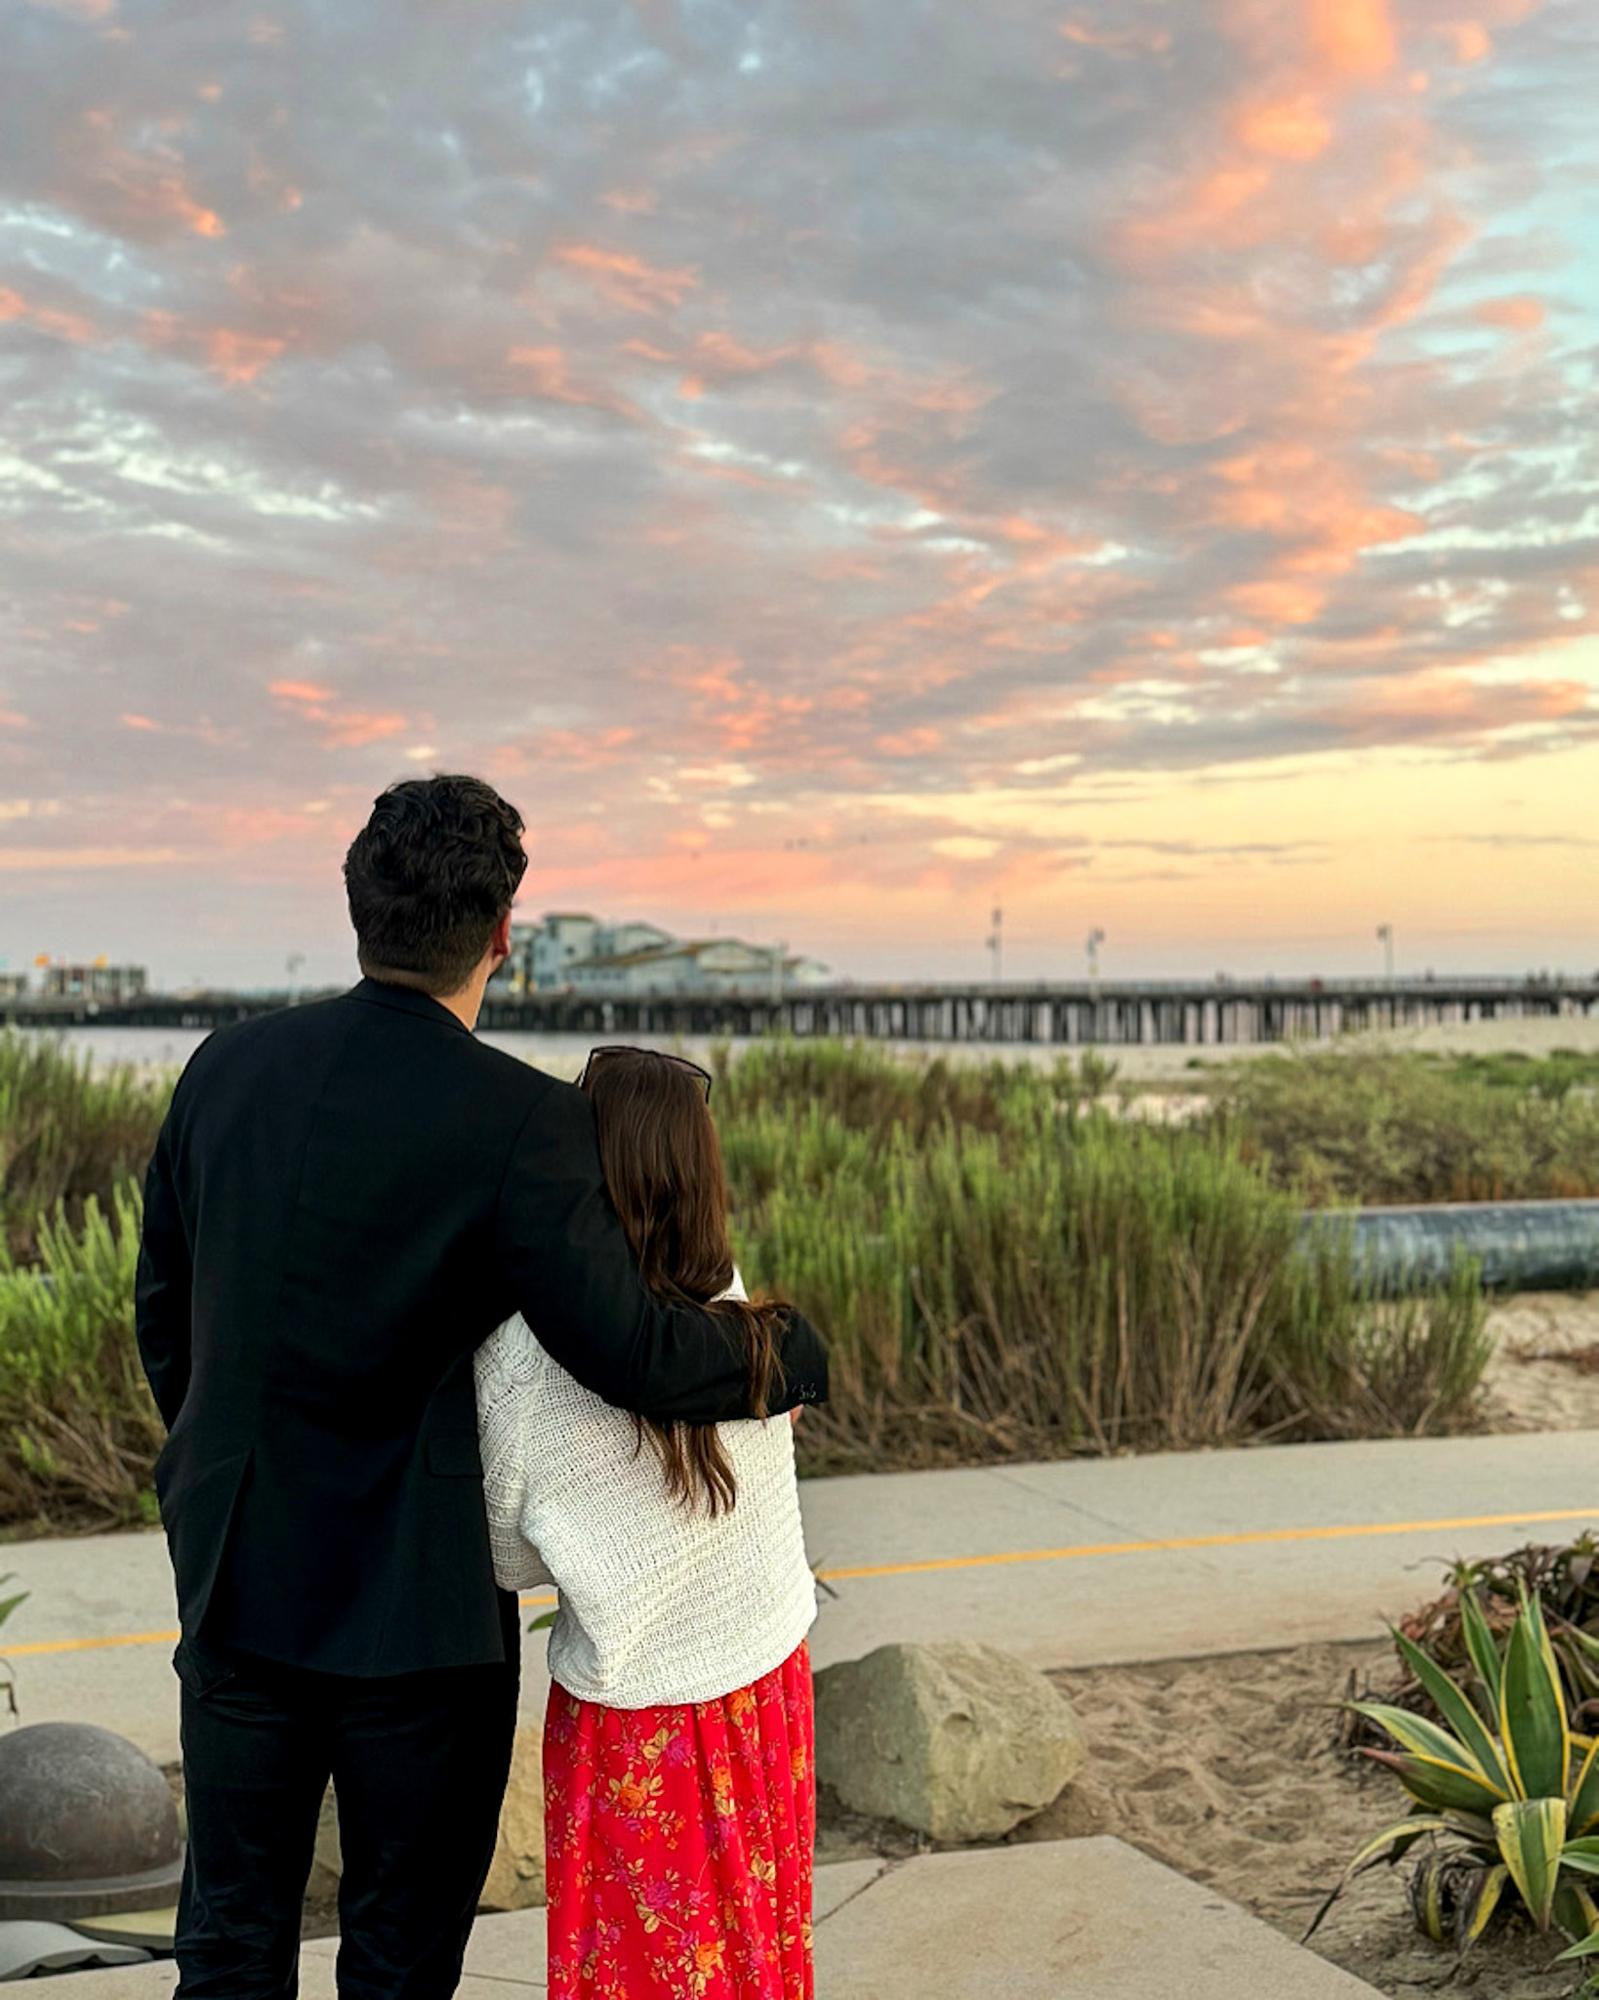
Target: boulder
[(516, 1874), (958, 1740)]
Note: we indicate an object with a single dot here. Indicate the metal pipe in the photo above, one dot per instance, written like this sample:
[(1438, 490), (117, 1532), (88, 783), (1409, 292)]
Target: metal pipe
[(1520, 1246)]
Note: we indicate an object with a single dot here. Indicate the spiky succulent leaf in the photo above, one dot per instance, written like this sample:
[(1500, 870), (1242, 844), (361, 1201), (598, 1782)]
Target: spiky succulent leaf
[(1478, 1828), (1482, 1647), (1391, 1845), (1532, 1833), (1583, 1855), (1532, 1714), (1576, 1911), (1477, 1908), (1457, 1711), (1587, 1947), (1427, 1897), (1583, 1815), (1425, 1739), (1438, 1787)]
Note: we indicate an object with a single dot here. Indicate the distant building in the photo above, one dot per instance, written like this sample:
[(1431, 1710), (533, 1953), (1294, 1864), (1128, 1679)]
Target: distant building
[(112, 984), (569, 951), (705, 965), (13, 985)]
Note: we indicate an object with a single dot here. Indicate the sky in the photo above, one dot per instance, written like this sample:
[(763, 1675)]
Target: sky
[(838, 468)]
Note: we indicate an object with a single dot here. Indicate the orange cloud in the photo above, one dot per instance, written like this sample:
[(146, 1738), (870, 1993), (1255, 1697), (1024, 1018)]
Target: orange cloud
[(1469, 41), (627, 281), (1291, 128), (139, 722), (546, 372), (1521, 314), (342, 728), (916, 742), (240, 357), (45, 319), (1355, 37), (142, 190)]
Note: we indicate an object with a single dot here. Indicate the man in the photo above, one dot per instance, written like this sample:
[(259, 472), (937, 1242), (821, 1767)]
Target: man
[(345, 1200)]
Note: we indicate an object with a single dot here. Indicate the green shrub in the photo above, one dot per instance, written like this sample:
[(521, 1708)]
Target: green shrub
[(79, 1428), (1360, 1127), (1004, 1269), (1005, 1273), (68, 1131)]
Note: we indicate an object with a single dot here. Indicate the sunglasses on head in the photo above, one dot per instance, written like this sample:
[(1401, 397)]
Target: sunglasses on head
[(599, 1056)]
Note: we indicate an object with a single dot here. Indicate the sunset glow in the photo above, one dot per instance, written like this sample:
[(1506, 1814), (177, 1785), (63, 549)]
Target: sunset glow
[(838, 470)]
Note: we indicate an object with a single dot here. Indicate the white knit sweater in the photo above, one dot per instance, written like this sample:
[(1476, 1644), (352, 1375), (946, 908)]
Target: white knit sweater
[(658, 1603)]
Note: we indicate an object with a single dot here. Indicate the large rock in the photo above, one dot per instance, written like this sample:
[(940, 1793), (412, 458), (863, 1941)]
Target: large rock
[(516, 1874), (955, 1739)]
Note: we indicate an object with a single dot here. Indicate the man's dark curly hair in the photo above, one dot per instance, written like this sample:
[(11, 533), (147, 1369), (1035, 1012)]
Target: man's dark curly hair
[(429, 876)]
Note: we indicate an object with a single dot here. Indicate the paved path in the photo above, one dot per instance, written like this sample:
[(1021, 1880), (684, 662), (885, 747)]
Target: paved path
[(1073, 1564), (1065, 1920)]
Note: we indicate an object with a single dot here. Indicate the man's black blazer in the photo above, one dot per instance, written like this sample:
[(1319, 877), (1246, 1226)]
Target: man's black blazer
[(345, 1200)]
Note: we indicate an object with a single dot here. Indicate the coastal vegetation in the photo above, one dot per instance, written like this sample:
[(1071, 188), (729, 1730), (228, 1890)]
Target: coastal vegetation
[(1491, 1695), (1007, 1266), (1357, 1126)]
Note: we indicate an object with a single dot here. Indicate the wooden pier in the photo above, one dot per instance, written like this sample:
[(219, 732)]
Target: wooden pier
[(1149, 1012)]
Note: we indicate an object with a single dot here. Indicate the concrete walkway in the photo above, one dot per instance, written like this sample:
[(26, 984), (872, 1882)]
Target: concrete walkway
[(1073, 1564), (1065, 1920)]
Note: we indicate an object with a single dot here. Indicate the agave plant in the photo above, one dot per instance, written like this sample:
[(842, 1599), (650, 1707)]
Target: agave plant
[(1507, 1792)]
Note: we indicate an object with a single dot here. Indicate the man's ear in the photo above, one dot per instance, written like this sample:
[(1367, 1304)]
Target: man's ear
[(500, 943)]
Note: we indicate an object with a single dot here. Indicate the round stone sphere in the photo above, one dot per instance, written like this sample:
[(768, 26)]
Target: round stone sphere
[(87, 1825)]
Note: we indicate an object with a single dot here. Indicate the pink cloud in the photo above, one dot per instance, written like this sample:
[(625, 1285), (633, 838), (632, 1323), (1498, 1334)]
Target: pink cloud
[(625, 280)]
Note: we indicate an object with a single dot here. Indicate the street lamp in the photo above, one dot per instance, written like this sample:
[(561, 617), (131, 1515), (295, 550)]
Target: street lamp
[(996, 941), (1096, 937), (1385, 933)]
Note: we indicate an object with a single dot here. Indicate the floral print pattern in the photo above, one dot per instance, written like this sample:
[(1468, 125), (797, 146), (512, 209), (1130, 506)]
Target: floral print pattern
[(679, 1845)]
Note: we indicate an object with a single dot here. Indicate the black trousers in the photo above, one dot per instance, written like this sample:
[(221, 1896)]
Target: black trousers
[(419, 1766)]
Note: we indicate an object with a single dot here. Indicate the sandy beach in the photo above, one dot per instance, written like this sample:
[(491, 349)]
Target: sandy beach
[(1528, 1387)]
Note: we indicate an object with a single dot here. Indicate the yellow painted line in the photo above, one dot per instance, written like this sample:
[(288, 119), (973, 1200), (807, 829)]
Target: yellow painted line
[(1079, 1552), (1252, 1538)]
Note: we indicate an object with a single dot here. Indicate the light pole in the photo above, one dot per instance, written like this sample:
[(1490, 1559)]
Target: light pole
[(1385, 933), (996, 941), (1095, 938), (779, 964), (295, 966)]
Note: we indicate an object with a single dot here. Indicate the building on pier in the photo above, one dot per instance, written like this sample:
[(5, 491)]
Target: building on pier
[(570, 951), (110, 985)]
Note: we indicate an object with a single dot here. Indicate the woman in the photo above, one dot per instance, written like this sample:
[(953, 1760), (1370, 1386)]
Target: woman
[(679, 1791)]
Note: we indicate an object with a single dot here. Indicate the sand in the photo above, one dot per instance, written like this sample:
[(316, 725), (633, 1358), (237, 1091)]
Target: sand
[(1225, 1770), (1527, 1392)]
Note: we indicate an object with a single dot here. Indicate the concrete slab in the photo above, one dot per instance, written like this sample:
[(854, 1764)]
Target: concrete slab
[(840, 1882), (158, 1980), (1064, 1920), (505, 1952)]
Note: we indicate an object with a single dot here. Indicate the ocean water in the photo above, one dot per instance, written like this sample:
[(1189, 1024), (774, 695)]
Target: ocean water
[(171, 1048)]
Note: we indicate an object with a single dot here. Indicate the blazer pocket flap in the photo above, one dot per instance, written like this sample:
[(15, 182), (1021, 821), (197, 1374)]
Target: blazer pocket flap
[(455, 1457)]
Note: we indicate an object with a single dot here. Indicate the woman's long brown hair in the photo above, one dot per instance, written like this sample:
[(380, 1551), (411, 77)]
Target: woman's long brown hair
[(662, 1162)]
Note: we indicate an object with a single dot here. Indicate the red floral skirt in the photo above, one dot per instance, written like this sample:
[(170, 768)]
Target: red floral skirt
[(678, 1845)]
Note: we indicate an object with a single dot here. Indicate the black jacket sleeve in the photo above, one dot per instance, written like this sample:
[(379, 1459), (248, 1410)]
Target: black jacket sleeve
[(162, 1290), (577, 1285)]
